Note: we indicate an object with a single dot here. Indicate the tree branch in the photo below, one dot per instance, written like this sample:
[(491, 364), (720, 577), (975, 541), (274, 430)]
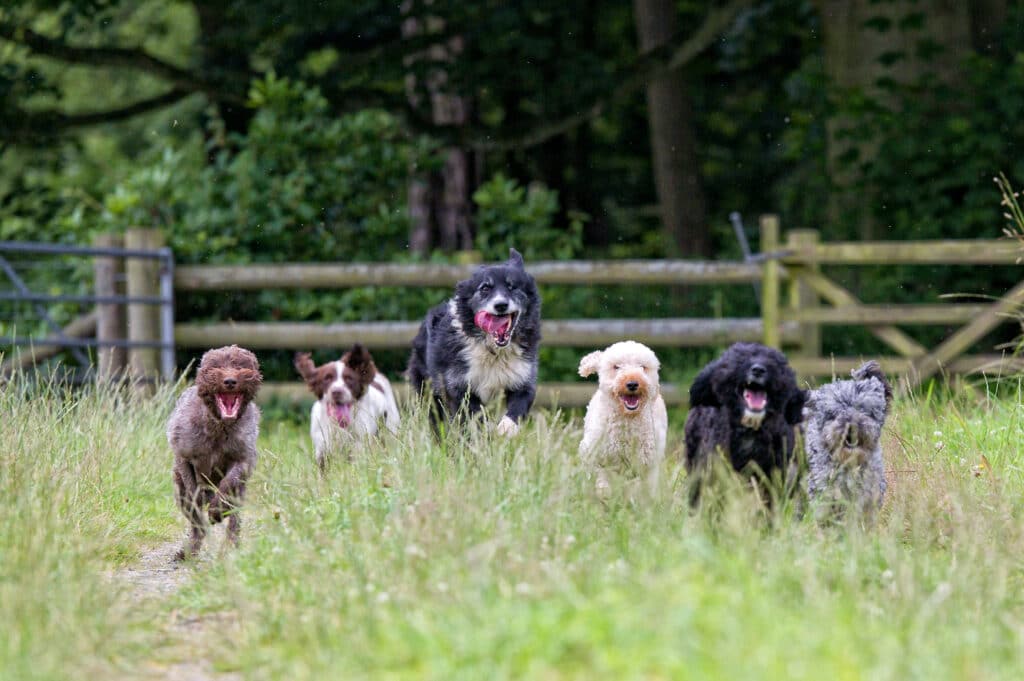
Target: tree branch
[(124, 57), (669, 57), (41, 123)]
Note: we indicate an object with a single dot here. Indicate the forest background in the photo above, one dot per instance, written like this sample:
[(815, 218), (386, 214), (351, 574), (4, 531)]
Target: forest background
[(272, 131)]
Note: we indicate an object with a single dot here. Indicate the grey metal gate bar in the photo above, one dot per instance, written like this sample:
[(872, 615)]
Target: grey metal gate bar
[(23, 293)]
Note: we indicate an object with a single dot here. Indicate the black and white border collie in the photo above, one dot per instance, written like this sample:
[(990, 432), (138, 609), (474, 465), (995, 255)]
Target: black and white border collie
[(482, 343), (352, 399)]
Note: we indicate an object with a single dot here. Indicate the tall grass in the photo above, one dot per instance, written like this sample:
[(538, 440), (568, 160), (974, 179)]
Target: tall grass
[(491, 558), (83, 486)]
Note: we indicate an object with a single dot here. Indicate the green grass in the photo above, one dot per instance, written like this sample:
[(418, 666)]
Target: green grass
[(492, 559)]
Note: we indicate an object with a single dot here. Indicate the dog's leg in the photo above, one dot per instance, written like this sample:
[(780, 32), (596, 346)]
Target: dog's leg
[(234, 528), (231, 490), (518, 403), (190, 498), (321, 461)]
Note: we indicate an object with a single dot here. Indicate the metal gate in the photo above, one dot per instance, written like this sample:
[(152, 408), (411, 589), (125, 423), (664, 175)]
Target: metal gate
[(18, 258)]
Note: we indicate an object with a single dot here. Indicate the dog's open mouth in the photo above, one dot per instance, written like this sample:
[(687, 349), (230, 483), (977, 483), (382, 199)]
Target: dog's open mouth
[(229, 404), (497, 326), (755, 397), (630, 402), (342, 413)]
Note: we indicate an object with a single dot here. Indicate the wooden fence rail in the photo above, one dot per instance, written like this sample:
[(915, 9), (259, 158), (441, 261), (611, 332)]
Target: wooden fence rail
[(801, 259), (556, 333), (576, 273)]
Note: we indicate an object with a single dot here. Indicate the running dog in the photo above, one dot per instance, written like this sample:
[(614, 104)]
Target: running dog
[(212, 433), (626, 424), (745, 407), (482, 343), (352, 398), (843, 423)]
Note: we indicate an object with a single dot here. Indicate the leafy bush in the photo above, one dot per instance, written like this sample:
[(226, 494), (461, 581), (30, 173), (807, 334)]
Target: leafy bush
[(509, 214)]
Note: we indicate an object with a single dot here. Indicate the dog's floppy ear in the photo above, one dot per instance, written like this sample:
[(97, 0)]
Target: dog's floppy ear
[(793, 412), (515, 258), (589, 364), (359, 360), (702, 390), (304, 365), (464, 289)]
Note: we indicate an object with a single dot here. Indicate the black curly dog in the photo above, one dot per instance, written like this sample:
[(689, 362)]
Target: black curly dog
[(746, 405)]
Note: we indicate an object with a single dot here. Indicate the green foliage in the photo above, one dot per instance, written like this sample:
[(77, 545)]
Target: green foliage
[(509, 214)]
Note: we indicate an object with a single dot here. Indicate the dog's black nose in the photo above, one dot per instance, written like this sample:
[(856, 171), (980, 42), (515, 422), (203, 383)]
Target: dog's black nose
[(500, 308), (758, 370), (230, 383), (632, 386)]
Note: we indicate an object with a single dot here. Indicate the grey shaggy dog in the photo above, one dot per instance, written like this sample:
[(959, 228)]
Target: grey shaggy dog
[(212, 433), (843, 424)]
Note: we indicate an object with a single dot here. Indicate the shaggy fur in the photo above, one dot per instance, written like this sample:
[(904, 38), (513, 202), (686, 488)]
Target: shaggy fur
[(626, 423), (745, 405), (212, 433), (843, 424), (352, 398), (482, 344)]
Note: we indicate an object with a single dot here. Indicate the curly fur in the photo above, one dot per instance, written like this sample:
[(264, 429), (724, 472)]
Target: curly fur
[(720, 419), (843, 424), (617, 438), (212, 433)]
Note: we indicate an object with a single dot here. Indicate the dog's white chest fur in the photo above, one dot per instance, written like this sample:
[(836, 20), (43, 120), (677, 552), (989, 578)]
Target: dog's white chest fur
[(490, 373)]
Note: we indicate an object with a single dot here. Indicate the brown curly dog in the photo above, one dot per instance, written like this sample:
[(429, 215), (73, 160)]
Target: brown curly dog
[(212, 433)]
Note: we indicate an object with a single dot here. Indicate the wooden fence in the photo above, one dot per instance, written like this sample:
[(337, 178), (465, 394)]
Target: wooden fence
[(581, 333), (797, 299), (799, 267)]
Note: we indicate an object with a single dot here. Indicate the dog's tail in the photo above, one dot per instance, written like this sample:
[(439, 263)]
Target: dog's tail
[(871, 369)]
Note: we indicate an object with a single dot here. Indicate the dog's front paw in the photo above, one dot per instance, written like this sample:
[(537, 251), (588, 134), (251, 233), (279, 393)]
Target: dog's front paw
[(507, 427), (218, 506)]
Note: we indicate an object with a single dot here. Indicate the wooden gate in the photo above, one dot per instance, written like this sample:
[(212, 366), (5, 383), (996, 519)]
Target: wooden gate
[(800, 260)]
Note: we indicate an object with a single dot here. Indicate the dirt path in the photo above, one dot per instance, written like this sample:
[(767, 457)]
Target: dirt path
[(156, 577)]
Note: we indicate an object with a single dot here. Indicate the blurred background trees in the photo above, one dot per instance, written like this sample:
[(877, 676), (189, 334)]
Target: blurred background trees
[(362, 130)]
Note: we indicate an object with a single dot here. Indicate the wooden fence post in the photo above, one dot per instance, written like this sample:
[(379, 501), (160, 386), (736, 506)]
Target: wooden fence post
[(802, 296), (143, 319), (770, 282), (108, 280)]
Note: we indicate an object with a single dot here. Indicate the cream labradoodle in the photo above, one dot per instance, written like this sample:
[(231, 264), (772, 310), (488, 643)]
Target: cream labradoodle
[(626, 423)]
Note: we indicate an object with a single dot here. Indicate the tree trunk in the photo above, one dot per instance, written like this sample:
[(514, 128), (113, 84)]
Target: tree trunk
[(439, 204), (867, 43), (225, 63), (987, 18), (677, 177)]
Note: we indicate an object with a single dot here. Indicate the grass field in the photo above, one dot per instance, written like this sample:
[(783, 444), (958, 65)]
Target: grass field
[(493, 560)]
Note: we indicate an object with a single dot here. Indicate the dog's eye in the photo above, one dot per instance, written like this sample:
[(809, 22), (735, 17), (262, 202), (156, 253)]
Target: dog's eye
[(616, 367), (485, 287), (510, 285)]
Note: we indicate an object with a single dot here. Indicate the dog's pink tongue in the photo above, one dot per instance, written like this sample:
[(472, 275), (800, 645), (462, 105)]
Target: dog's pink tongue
[(342, 413), (492, 323), (755, 399)]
